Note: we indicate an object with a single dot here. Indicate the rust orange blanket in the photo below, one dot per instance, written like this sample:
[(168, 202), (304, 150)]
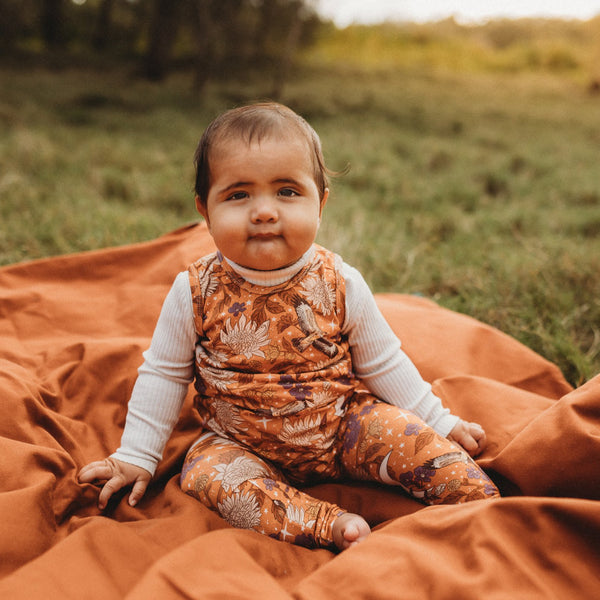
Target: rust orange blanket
[(72, 330)]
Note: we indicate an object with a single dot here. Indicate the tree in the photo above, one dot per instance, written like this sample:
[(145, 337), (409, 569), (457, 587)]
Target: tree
[(221, 33), (217, 38), (16, 22), (204, 32), (52, 23), (290, 45), (101, 36), (164, 27)]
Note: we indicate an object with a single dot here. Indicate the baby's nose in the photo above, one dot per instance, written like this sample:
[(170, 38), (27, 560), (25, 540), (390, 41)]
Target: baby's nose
[(264, 210)]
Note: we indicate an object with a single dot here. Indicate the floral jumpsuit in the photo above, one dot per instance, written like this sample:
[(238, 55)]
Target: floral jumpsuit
[(281, 407)]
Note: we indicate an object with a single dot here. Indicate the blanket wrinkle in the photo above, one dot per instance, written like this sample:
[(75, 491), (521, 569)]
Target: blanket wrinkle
[(493, 563), (567, 463), (203, 568), (478, 398), (72, 331)]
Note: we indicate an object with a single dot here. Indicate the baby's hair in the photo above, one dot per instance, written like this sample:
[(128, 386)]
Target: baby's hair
[(255, 122)]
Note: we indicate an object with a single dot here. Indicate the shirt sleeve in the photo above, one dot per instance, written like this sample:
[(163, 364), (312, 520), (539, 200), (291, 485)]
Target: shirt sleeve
[(379, 361), (163, 381)]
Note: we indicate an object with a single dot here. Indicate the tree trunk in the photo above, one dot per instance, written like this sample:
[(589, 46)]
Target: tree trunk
[(286, 58), (103, 25), (52, 24), (203, 32), (163, 31)]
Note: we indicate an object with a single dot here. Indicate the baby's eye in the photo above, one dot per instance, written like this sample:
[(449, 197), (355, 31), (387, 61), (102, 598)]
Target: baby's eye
[(288, 192), (237, 196)]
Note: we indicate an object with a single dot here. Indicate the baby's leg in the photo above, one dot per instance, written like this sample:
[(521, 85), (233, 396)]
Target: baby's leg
[(250, 493), (381, 442)]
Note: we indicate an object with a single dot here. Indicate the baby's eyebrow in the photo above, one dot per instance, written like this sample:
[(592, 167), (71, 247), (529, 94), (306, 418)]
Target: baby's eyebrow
[(286, 180), (233, 186)]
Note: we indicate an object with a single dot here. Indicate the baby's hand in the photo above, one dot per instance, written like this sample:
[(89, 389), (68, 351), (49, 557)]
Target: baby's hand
[(470, 436), (116, 474)]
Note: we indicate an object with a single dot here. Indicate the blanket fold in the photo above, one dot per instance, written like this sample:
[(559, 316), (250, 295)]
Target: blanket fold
[(72, 330)]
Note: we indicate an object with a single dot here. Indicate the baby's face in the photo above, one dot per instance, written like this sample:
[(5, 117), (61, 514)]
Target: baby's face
[(263, 208)]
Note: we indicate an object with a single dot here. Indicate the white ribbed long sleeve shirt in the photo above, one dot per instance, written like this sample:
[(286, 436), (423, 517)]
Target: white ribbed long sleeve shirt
[(168, 367)]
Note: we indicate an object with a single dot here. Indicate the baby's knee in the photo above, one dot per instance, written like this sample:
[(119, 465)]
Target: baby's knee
[(196, 483), (472, 484)]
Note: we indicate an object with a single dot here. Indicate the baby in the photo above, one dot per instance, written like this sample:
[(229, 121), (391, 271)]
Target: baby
[(299, 378)]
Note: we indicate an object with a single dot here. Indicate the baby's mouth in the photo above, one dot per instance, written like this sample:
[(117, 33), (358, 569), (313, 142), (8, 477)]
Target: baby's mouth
[(264, 235)]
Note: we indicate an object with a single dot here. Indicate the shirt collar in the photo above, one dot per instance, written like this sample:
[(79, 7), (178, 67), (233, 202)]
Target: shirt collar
[(271, 278)]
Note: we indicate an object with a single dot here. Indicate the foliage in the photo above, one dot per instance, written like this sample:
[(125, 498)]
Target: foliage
[(509, 46), (211, 36)]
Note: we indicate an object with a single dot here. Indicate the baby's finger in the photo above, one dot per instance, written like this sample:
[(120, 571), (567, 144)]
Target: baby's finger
[(476, 430), (110, 487), (479, 435), (98, 470), (139, 489), (470, 445)]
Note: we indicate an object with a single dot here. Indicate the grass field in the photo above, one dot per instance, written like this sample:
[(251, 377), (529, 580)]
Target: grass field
[(479, 190)]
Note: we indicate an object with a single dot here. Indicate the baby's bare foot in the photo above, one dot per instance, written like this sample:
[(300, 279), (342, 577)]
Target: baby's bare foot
[(349, 529)]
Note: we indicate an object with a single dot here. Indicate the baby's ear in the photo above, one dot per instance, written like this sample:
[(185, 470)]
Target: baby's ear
[(323, 201), (201, 207)]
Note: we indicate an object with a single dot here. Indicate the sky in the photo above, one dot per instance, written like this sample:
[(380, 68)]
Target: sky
[(345, 12)]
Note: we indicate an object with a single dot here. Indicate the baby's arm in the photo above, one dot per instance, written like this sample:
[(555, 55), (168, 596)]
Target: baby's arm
[(156, 400), (389, 373)]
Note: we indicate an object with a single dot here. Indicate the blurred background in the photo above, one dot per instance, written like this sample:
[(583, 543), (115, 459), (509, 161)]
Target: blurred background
[(466, 135)]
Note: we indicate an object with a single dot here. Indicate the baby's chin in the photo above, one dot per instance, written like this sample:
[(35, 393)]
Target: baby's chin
[(265, 265), (267, 258)]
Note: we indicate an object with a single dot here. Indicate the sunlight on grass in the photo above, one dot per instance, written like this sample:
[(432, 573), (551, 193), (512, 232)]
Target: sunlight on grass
[(501, 46)]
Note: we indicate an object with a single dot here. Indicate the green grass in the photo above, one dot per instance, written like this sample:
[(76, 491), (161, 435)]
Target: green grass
[(480, 191)]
